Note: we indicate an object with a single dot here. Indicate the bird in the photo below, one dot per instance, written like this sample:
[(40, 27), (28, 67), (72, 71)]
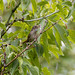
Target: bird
[(33, 34)]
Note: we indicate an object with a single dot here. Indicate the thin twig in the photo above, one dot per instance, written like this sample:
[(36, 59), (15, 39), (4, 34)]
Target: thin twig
[(12, 13), (51, 26), (22, 19), (28, 46), (39, 18), (21, 52), (7, 24), (25, 48)]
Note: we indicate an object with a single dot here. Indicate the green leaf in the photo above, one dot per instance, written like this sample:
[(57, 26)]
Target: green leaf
[(57, 36), (20, 65), (10, 34), (14, 67), (25, 4), (1, 5), (33, 69), (74, 6), (24, 69), (53, 0), (20, 24), (3, 26), (60, 7), (39, 49), (46, 71), (51, 38), (53, 17), (70, 13), (34, 58), (14, 48), (34, 5), (72, 35), (42, 3), (44, 42), (3, 43), (8, 1), (53, 6), (61, 13), (73, 14), (50, 33), (63, 35), (55, 50), (7, 50), (68, 3), (15, 42)]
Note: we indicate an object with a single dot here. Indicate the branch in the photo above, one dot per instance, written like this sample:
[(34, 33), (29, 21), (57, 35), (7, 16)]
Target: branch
[(29, 44), (7, 24), (41, 17), (12, 13), (33, 19), (22, 19), (21, 52), (51, 26)]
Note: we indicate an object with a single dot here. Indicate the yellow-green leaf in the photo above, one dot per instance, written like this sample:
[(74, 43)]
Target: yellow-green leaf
[(1, 5), (72, 35), (34, 5), (63, 35), (2, 26), (46, 71)]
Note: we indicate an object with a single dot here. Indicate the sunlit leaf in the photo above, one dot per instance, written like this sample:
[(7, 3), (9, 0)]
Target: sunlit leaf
[(34, 5), (2, 26), (1, 5), (46, 71), (20, 24), (68, 3), (42, 3), (73, 15), (69, 13), (55, 50), (72, 35), (57, 36), (8, 1)]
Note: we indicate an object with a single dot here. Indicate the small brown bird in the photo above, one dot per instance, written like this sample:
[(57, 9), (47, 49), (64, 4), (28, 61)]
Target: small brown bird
[(33, 34)]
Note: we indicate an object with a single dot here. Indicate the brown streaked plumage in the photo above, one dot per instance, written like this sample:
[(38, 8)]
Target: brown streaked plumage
[(33, 34)]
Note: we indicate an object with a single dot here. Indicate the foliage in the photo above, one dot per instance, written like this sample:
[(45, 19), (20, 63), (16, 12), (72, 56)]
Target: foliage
[(17, 17)]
